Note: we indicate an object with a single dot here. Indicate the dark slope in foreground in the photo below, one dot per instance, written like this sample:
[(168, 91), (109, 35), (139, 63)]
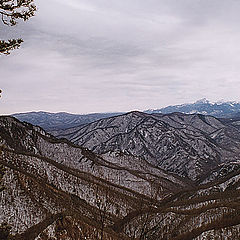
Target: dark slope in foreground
[(188, 145), (52, 189)]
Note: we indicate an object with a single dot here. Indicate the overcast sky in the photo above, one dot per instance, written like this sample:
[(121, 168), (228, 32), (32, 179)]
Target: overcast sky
[(85, 56)]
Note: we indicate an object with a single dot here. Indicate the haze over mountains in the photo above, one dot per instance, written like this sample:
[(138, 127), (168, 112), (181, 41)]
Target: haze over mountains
[(126, 176)]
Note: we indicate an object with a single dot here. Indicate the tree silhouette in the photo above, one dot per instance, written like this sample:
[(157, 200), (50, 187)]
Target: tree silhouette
[(10, 12)]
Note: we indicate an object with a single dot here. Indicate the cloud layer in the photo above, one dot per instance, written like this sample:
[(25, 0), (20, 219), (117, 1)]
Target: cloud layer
[(96, 56)]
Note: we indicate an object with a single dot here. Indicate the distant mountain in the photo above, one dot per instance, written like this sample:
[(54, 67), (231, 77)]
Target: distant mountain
[(61, 120), (187, 145), (203, 106)]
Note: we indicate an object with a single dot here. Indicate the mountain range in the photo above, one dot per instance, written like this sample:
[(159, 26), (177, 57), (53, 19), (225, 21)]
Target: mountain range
[(62, 120), (126, 176)]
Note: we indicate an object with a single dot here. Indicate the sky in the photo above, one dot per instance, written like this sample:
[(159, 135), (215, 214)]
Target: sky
[(84, 56)]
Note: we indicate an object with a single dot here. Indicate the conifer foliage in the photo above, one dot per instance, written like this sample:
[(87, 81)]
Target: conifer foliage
[(11, 11)]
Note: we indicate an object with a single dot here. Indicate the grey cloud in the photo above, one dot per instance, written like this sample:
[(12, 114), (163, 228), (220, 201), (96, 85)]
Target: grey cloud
[(108, 55)]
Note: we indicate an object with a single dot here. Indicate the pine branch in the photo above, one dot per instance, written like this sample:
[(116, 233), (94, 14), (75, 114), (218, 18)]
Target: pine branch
[(7, 46), (11, 11)]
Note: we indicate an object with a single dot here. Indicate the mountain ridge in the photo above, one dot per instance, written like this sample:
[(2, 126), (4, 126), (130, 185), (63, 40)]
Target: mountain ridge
[(162, 138), (61, 120)]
